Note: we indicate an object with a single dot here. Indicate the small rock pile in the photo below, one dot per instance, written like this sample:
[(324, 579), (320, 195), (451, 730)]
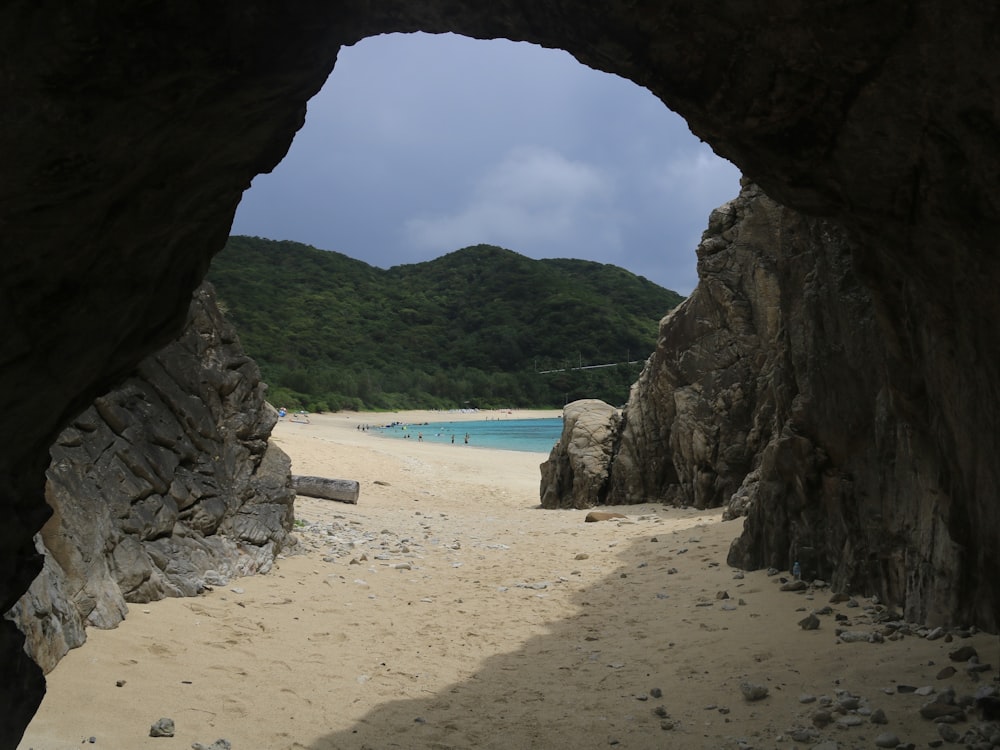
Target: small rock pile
[(873, 622)]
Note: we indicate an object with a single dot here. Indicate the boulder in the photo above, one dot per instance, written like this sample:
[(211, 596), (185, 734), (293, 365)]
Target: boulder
[(576, 472)]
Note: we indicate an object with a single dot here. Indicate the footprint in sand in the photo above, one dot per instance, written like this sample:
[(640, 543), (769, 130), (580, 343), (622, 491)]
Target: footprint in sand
[(158, 649)]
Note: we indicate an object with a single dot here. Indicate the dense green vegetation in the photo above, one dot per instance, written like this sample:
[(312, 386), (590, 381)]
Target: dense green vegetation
[(472, 328)]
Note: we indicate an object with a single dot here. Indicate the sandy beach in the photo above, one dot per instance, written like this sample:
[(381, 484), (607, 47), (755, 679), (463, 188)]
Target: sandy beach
[(447, 610)]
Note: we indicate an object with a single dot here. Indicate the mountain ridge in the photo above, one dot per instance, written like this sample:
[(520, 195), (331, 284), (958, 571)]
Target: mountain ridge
[(471, 327)]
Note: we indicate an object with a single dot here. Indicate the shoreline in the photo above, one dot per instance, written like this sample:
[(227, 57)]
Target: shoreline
[(448, 610), (486, 429)]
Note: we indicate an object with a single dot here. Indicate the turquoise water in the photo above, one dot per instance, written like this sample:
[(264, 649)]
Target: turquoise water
[(531, 435)]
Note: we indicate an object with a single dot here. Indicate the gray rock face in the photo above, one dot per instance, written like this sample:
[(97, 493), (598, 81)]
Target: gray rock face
[(772, 392), (576, 472), (164, 486), (706, 402)]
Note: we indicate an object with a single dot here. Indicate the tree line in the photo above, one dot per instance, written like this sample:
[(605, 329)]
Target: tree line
[(473, 328)]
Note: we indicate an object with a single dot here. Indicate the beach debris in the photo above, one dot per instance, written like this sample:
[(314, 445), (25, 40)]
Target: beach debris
[(219, 744), (596, 515), (341, 490), (859, 636), (163, 727)]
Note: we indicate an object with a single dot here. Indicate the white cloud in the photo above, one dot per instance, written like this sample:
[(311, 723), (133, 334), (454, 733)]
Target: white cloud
[(534, 199)]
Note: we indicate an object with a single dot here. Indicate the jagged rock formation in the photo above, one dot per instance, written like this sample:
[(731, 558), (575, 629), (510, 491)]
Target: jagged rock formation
[(163, 486), (768, 393), (576, 472), (771, 392), (132, 132)]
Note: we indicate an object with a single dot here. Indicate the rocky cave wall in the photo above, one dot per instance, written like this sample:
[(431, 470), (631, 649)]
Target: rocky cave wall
[(771, 392), (129, 133), (165, 486)]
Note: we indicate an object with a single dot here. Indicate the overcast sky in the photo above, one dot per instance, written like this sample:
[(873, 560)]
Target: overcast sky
[(419, 145)]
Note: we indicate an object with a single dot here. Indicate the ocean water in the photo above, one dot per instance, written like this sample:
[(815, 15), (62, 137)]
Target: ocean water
[(531, 435)]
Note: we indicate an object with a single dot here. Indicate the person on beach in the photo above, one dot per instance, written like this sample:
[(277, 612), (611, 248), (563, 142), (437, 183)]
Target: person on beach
[(466, 438)]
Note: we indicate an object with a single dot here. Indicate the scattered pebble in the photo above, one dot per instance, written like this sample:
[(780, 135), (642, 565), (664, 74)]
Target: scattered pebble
[(963, 654), (948, 733), (162, 728), (753, 692), (220, 744), (810, 622)]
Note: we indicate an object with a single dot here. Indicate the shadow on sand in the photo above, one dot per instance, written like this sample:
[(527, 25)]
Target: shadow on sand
[(591, 681)]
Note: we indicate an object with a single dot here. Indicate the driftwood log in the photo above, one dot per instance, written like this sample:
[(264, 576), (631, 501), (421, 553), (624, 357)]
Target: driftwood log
[(341, 490)]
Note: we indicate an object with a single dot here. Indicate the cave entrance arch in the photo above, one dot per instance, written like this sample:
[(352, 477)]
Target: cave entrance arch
[(136, 130), (421, 144)]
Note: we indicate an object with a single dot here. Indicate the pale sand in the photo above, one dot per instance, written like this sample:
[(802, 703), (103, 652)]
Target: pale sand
[(515, 627)]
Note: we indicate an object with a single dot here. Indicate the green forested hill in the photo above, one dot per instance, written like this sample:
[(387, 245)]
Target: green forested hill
[(472, 328)]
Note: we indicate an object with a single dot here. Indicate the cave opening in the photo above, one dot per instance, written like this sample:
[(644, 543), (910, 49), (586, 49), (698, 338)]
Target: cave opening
[(421, 144), (818, 107)]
